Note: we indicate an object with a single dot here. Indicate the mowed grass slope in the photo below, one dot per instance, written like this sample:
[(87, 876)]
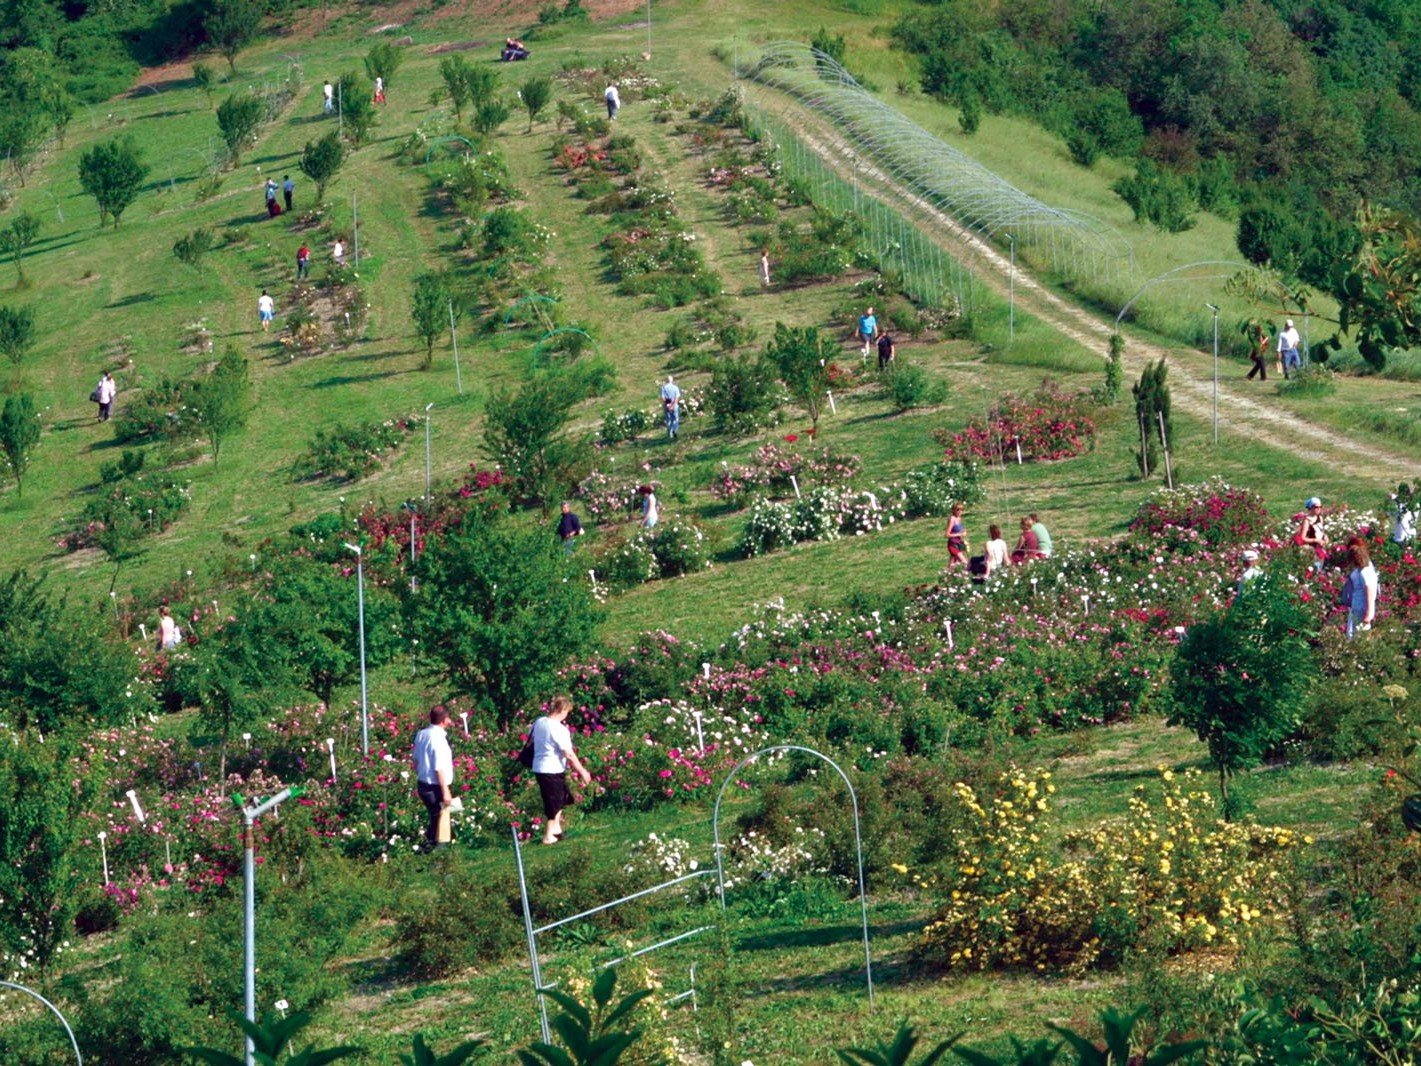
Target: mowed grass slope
[(100, 292)]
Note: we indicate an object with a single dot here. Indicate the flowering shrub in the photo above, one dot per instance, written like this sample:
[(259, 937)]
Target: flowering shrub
[(771, 468), (931, 490), (1169, 876), (606, 498), (1214, 513), (1051, 423), (623, 426), (754, 857), (349, 453), (630, 561), (139, 505), (818, 514), (770, 526), (679, 545), (159, 412)]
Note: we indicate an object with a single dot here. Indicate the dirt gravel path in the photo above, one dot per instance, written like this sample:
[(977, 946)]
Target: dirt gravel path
[(1192, 378)]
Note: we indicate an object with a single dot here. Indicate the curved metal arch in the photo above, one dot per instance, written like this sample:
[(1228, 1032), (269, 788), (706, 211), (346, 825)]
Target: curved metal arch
[(858, 840), (439, 142), (1168, 275), (540, 349), (62, 1020)]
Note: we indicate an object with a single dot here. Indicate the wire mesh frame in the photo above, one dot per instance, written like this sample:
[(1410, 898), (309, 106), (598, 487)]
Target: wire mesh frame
[(532, 932), (895, 242), (1076, 244), (858, 840)]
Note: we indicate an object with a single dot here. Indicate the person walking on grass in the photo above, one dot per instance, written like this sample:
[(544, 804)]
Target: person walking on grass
[(552, 756), (569, 528), (379, 90), (614, 101), (328, 93), (303, 261), (434, 772), (1259, 355), (169, 635), (956, 537), (1363, 584), (764, 268), (671, 406), (867, 331), (887, 350), (1288, 355), (650, 508), (288, 190), (104, 393), (338, 252), (266, 308)]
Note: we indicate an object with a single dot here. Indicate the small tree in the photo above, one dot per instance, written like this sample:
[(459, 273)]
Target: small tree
[(1152, 415), (191, 248), (223, 400), (455, 71), (205, 79), (15, 238), (358, 111), (527, 433), (430, 311), (497, 614), (239, 117), (1114, 370), (17, 332), (1242, 675), (40, 836), (536, 94), (321, 160), (801, 358), (230, 25), (489, 115), (112, 173), (382, 61), (19, 435)]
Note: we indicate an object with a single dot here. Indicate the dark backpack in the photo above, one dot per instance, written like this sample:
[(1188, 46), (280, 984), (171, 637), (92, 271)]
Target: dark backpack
[(525, 757)]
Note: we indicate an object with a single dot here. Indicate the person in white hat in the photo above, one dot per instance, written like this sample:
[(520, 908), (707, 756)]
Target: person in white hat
[(1288, 355), (1250, 572)]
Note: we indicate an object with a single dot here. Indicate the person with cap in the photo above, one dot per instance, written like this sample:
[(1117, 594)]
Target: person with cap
[(1288, 356), (1309, 533), (1250, 571)]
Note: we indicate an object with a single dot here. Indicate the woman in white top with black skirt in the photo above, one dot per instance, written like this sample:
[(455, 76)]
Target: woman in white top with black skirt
[(552, 755)]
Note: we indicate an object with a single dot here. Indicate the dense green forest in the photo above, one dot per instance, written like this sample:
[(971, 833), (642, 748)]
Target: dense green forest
[(1284, 114)]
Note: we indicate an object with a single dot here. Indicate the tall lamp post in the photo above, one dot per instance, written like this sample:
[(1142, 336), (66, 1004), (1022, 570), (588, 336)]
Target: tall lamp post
[(249, 897), (364, 695), (428, 470), (1011, 292), (1214, 309)]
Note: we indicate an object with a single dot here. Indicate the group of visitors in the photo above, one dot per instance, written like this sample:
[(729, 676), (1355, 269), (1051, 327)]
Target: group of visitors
[(1289, 356), (868, 332), (552, 755), (1033, 543), (288, 194)]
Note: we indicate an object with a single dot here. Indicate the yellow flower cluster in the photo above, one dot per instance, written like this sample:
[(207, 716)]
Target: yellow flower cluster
[(1171, 876)]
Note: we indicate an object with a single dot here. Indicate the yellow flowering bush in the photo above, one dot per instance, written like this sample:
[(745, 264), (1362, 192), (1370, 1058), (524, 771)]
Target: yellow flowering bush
[(1171, 876)]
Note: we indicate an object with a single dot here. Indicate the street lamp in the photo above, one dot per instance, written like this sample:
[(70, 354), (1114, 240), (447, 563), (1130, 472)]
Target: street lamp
[(249, 898), (364, 696), (1214, 309), (427, 468), (1011, 292)]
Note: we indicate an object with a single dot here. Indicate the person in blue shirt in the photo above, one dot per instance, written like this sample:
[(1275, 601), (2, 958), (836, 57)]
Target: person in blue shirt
[(868, 330)]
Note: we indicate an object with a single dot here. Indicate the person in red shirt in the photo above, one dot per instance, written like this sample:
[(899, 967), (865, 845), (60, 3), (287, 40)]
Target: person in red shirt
[(303, 261)]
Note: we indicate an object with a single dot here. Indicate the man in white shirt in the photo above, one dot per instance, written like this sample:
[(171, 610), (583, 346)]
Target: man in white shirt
[(614, 101), (434, 771), (266, 308), (1288, 355), (552, 755), (328, 93)]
